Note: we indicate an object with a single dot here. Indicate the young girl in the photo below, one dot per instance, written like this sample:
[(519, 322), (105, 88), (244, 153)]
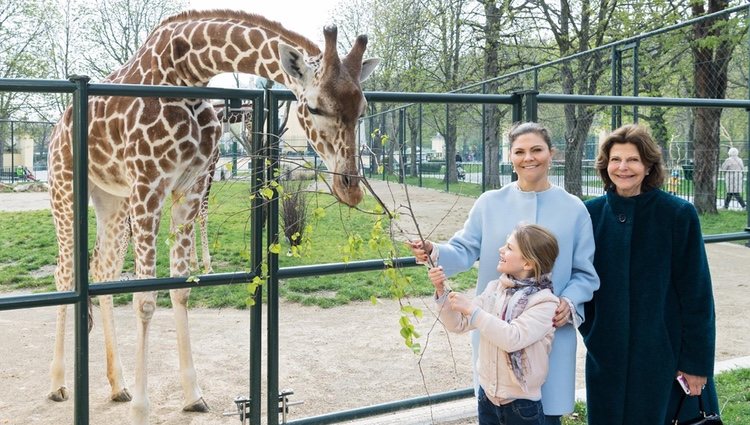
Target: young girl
[(514, 316)]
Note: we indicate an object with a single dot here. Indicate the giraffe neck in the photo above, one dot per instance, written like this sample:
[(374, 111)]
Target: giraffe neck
[(191, 48)]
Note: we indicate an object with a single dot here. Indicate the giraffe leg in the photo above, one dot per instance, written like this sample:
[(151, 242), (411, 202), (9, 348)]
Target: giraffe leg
[(61, 190), (144, 304), (144, 227), (112, 236), (58, 390), (183, 216)]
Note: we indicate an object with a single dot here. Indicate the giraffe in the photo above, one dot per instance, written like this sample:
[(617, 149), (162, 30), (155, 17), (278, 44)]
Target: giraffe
[(143, 150)]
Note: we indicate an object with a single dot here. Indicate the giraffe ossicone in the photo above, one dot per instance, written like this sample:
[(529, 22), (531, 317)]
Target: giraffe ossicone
[(144, 150)]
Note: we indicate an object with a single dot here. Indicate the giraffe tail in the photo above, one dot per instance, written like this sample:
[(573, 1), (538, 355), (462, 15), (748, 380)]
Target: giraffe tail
[(91, 315)]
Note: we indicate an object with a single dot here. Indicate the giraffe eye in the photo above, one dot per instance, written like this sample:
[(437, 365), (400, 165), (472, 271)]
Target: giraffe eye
[(314, 111)]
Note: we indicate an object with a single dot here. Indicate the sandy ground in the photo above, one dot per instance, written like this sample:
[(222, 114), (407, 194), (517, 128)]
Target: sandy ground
[(333, 359)]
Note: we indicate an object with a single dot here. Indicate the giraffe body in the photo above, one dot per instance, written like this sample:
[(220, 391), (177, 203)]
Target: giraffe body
[(143, 150)]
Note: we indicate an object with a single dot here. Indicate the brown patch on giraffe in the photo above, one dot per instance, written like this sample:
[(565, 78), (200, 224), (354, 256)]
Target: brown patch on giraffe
[(249, 61), (166, 165), (187, 151), (257, 37), (156, 132), (97, 156), (181, 131), (172, 155), (160, 149), (150, 171), (152, 203), (272, 68), (231, 51), (207, 115), (237, 35)]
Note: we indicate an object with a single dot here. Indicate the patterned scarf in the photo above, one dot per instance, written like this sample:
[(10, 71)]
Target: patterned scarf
[(519, 291)]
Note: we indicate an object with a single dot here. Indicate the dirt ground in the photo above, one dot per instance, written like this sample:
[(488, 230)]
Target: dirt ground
[(333, 359)]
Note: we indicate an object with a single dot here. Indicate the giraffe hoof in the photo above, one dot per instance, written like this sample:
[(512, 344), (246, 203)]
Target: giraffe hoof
[(199, 405), (121, 396), (61, 394)]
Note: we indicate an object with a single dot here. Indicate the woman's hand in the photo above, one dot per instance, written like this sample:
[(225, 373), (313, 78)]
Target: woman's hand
[(695, 383), (460, 303), (562, 314), (437, 277), (421, 251)]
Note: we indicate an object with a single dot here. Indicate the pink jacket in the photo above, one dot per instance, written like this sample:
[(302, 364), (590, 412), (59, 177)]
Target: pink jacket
[(532, 331)]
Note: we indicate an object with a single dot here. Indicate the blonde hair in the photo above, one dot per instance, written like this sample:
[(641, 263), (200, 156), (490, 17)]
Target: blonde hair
[(537, 246)]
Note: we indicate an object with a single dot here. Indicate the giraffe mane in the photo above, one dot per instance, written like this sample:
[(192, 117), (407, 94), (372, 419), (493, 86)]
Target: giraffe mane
[(291, 37)]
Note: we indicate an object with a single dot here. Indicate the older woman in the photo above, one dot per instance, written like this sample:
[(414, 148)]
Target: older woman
[(733, 177), (652, 320), (531, 199)]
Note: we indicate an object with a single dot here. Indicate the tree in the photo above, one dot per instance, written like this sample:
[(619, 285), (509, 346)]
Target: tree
[(714, 41), (21, 39), (115, 30), (578, 27)]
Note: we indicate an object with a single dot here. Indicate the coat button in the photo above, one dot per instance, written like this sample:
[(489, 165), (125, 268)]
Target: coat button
[(622, 217)]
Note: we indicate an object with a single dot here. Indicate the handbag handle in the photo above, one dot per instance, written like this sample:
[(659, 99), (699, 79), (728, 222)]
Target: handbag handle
[(701, 410)]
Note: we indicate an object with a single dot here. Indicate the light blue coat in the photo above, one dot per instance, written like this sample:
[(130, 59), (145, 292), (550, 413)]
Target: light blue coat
[(491, 220)]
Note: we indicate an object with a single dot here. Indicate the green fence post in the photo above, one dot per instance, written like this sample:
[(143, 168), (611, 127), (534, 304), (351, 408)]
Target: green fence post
[(81, 251)]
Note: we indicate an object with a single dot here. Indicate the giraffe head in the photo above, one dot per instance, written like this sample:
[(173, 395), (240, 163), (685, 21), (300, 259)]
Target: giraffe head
[(330, 101)]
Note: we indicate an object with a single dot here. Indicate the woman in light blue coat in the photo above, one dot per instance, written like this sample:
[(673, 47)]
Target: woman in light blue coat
[(531, 199)]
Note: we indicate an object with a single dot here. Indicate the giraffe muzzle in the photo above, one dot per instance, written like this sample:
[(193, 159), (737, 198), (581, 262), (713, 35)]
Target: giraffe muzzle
[(346, 188)]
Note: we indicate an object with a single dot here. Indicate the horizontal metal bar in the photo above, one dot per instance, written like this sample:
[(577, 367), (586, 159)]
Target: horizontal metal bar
[(164, 283), (379, 409), (36, 86), (642, 101), (379, 96), (350, 267), (15, 302), (142, 90), (726, 237)]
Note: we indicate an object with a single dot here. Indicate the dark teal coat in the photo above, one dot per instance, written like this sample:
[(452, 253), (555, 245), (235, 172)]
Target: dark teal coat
[(653, 313)]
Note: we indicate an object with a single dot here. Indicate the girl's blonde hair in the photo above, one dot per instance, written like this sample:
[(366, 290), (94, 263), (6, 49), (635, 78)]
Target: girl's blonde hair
[(538, 246)]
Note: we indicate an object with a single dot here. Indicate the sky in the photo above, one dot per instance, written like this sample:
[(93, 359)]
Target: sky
[(307, 17)]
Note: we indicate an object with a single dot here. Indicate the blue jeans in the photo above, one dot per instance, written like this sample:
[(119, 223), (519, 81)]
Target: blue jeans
[(517, 412), (552, 420)]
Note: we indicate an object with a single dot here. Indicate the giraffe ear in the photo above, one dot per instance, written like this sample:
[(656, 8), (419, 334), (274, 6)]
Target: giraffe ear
[(368, 65), (292, 62)]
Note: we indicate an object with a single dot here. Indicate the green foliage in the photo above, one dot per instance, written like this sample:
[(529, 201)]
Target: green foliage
[(733, 388)]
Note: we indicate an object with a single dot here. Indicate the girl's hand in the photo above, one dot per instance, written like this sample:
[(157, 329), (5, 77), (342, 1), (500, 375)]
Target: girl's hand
[(562, 314), (695, 383), (437, 277), (421, 251), (460, 303)]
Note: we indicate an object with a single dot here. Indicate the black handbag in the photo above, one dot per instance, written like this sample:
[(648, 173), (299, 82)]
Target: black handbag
[(703, 418)]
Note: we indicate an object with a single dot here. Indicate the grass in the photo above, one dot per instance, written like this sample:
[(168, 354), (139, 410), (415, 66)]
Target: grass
[(732, 386), (338, 234)]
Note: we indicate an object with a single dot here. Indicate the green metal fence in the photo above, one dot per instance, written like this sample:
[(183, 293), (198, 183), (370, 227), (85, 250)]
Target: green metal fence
[(260, 229)]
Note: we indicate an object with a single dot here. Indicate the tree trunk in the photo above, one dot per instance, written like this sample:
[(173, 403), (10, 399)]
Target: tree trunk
[(450, 144), (491, 158), (706, 147), (710, 60)]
